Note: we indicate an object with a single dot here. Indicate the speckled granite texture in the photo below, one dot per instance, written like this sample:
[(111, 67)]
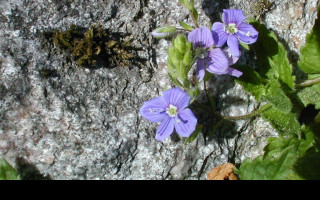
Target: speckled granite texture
[(80, 123)]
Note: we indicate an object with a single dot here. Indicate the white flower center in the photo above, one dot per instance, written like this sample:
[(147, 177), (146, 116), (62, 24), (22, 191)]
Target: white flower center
[(172, 111), (201, 52), (232, 28)]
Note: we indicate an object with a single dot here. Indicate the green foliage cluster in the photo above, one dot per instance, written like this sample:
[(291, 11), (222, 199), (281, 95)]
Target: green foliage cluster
[(7, 172), (180, 59), (295, 154), (94, 45)]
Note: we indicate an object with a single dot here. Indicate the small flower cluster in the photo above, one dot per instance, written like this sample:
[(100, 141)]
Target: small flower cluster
[(208, 43), (211, 55)]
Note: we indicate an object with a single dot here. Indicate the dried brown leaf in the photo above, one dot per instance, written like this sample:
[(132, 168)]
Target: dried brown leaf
[(222, 172)]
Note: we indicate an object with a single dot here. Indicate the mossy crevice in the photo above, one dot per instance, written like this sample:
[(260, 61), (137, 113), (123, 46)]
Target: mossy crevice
[(95, 46)]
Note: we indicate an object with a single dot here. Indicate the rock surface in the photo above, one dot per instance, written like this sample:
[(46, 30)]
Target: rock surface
[(81, 123)]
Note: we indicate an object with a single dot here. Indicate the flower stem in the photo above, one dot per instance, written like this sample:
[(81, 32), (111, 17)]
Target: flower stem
[(307, 83), (182, 29), (207, 94), (231, 118), (247, 116)]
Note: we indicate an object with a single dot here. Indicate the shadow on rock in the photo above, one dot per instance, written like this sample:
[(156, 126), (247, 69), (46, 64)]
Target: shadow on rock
[(28, 171), (213, 9), (214, 128)]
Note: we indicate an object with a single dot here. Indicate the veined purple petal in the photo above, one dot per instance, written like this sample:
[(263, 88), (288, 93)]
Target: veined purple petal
[(218, 61), (200, 69), (185, 123), (222, 36), (233, 44), (234, 72), (176, 97), (165, 129), (201, 37), (231, 59), (247, 34), (154, 110), (233, 16)]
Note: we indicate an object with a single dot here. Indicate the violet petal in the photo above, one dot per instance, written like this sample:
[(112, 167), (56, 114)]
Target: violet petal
[(233, 44), (233, 16), (176, 97), (153, 110), (247, 33), (222, 36), (201, 37), (165, 129), (185, 123), (200, 69), (234, 72), (218, 61), (231, 59)]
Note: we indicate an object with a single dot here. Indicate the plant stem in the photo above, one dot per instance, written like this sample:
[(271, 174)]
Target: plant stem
[(246, 116), (209, 99), (231, 118), (182, 29), (307, 83)]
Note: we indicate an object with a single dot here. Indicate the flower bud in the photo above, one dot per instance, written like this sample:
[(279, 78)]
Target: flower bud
[(175, 56), (163, 31), (187, 59), (179, 43)]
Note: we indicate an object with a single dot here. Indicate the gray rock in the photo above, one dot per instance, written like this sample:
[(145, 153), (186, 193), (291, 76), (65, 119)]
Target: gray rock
[(80, 123)]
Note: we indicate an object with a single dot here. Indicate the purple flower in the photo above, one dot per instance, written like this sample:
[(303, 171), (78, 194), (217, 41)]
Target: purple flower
[(233, 30), (231, 61), (209, 58), (171, 110)]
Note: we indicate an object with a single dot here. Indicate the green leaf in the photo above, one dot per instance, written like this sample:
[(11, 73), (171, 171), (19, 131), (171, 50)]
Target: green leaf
[(266, 169), (195, 14), (187, 59), (307, 167), (180, 43), (186, 26), (272, 59), (310, 54), (166, 29), (194, 92), (251, 81), (310, 95), (278, 98), (284, 123), (194, 135), (175, 81), (187, 4), (245, 46), (7, 172), (175, 56), (280, 160)]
